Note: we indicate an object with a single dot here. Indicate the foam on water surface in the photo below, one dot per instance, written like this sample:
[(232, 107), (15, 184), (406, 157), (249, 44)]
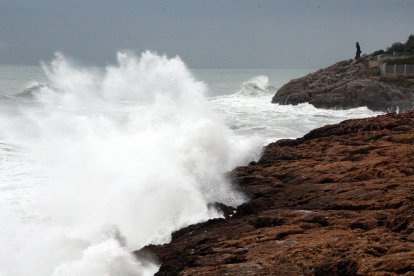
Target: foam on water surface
[(98, 163), (113, 161)]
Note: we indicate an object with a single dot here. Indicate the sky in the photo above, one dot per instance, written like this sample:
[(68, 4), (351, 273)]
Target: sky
[(204, 33)]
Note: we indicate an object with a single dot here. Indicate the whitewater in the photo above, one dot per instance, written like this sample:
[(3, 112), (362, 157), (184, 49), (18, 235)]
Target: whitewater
[(98, 162)]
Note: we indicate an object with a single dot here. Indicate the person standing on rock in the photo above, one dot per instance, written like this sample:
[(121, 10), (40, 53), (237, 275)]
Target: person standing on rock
[(358, 52)]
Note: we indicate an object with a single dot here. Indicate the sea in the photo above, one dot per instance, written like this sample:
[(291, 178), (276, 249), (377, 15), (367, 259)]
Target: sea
[(97, 162)]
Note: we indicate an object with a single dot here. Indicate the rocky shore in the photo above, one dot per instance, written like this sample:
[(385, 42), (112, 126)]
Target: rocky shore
[(349, 84), (338, 201)]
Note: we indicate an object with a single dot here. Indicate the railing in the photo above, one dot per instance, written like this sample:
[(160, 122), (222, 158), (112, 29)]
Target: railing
[(397, 70)]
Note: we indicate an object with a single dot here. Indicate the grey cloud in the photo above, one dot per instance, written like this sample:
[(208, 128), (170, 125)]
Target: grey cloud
[(231, 33)]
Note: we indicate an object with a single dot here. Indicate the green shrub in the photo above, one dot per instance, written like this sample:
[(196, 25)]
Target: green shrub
[(378, 52), (396, 47), (409, 45), (402, 60)]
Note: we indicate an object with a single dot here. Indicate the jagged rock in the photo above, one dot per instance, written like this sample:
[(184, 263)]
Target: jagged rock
[(338, 201), (347, 84)]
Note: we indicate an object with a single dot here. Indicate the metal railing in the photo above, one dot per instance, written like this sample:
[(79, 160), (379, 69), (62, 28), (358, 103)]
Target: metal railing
[(397, 70)]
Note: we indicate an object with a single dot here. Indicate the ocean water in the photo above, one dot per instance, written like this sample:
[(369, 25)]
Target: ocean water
[(98, 162)]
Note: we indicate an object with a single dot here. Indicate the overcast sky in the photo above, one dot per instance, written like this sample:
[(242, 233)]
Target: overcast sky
[(204, 33)]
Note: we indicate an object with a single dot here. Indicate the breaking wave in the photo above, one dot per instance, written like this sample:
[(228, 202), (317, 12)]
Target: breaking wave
[(104, 163), (257, 86)]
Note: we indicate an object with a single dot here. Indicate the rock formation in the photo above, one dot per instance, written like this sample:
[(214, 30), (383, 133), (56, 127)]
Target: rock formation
[(349, 84), (339, 201)]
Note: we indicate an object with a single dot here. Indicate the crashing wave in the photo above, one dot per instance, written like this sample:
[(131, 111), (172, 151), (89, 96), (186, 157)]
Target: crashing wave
[(96, 142), (256, 86), (32, 89)]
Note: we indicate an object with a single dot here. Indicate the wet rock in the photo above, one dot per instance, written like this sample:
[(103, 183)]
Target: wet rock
[(227, 211), (315, 213), (348, 84), (266, 221), (339, 268), (364, 225), (316, 218)]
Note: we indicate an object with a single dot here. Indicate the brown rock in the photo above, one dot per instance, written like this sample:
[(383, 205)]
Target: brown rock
[(339, 201), (347, 84)]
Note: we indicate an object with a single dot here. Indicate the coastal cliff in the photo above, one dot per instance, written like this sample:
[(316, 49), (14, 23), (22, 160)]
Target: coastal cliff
[(338, 201), (349, 84)]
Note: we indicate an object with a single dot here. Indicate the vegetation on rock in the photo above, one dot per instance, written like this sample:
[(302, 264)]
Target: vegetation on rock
[(408, 46)]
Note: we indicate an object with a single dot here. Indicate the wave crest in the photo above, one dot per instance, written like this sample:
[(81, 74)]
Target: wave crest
[(256, 86), (136, 146)]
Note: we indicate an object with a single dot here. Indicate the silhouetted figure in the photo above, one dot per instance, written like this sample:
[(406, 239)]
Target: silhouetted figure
[(358, 52)]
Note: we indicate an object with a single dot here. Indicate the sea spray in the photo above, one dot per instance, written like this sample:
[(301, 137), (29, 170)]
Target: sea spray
[(256, 86), (121, 159)]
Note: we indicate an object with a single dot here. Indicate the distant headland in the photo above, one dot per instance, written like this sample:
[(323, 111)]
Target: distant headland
[(382, 81)]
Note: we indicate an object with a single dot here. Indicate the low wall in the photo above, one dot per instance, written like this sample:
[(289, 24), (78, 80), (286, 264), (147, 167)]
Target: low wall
[(397, 70)]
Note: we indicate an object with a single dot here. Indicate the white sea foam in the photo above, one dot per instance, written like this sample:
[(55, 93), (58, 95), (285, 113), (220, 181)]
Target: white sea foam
[(107, 162), (255, 115), (98, 163), (256, 86)]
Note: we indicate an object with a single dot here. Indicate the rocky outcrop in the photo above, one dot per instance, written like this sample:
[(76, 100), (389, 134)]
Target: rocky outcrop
[(348, 84), (339, 201)]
